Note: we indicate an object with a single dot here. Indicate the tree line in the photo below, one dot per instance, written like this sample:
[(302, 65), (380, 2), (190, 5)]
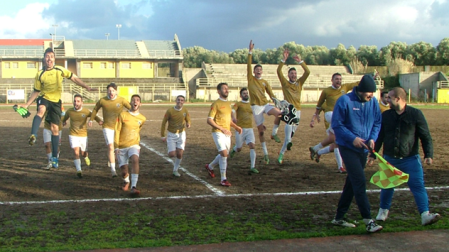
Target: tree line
[(419, 54)]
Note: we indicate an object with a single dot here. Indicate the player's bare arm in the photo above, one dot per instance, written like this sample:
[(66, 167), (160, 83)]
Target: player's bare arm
[(251, 45)]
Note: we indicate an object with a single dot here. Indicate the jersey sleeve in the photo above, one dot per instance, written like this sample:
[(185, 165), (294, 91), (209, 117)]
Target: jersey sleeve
[(164, 123)]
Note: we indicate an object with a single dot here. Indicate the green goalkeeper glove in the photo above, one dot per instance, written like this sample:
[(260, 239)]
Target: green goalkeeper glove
[(22, 111)]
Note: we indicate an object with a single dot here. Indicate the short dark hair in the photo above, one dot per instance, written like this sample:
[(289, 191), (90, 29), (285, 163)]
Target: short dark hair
[(181, 96), (243, 89), (48, 50), (112, 85), (335, 74), (78, 95), (383, 93), (221, 84), (256, 66), (136, 95), (291, 69)]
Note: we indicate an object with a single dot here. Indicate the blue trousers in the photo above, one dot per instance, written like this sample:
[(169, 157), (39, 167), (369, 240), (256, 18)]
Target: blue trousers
[(411, 165), (355, 184)]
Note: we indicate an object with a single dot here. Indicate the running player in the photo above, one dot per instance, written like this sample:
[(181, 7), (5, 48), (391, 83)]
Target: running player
[(178, 119), (46, 134), (127, 143), (112, 105)]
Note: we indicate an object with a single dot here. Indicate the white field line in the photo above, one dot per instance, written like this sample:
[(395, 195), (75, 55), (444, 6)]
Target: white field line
[(200, 196)]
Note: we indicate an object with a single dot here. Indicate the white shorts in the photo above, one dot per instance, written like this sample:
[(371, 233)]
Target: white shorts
[(176, 141), (258, 112), (76, 141), (126, 153), (247, 136), (108, 136), (222, 141), (47, 136), (328, 118)]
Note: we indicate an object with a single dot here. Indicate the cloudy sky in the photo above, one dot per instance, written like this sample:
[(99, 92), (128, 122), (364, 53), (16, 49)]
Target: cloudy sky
[(228, 25)]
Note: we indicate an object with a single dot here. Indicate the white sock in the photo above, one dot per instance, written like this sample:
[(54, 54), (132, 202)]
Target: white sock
[(49, 157), (134, 178), (338, 158), (288, 137), (223, 164), (252, 155), (113, 168), (264, 148), (177, 162), (126, 179), (275, 129), (318, 147), (77, 164), (214, 162), (294, 127), (325, 150)]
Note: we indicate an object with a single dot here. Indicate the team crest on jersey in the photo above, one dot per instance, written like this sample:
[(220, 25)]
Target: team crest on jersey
[(83, 115), (118, 105), (343, 92), (184, 114), (139, 122), (264, 84)]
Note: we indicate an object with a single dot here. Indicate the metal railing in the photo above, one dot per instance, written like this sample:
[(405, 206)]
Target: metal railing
[(21, 53), (106, 53), (164, 53), (443, 84)]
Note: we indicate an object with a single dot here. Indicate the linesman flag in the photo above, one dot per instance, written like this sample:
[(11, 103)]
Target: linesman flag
[(388, 176)]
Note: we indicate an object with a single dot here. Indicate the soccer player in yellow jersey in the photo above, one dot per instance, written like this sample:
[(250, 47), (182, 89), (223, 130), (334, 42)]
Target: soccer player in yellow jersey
[(46, 135), (291, 88), (259, 103), (78, 131), (112, 106), (329, 96), (220, 119), (48, 91), (127, 143), (244, 120), (178, 119), (383, 103)]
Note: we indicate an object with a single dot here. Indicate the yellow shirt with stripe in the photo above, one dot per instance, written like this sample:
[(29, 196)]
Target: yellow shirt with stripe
[(292, 91), (220, 112), (244, 114), (78, 121), (176, 119), (49, 82), (257, 87), (127, 129), (111, 110), (383, 107), (330, 95)]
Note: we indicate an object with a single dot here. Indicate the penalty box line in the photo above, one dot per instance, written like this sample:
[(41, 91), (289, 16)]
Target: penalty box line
[(201, 196)]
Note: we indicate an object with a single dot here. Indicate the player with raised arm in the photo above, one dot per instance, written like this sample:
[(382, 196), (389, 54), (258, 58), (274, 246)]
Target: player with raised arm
[(178, 119), (112, 106)]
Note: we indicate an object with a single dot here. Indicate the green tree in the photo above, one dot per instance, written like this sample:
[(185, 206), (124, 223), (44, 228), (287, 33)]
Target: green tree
[(443, 52), (421, 54), (394, 50), (368, 55)]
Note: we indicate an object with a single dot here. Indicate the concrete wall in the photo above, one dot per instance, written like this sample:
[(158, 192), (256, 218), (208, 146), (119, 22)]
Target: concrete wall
[(410, 82)]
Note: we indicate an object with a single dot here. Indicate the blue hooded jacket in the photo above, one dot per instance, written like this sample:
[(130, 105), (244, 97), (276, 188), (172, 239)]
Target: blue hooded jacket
[(353, 118)]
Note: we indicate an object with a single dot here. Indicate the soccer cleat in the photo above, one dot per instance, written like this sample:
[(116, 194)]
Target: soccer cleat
[(382, 215), (253, 170), (342, 170), (281, 158), (125, 186), (317, 158), (79, 174), (232, 153), (372, 227), (176, 174), (276, 138), (55, 162), (342, 223), (49, 165), (210, 171), (134, 192), (87, 160), (32, 140), (289, 146), (312, 153), (225, 183), (266, 159), (429, 218)]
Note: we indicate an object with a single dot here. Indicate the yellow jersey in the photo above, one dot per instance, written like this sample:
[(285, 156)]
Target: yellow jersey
[(111, 110), (292, 91), (220, 112), (127, 129), (383, 107), (176, 119), (330, 95), (244, 114), (257, 87), (49, 82), (78, 121)]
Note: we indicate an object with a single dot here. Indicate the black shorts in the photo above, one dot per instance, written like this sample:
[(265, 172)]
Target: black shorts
[(53, 110)]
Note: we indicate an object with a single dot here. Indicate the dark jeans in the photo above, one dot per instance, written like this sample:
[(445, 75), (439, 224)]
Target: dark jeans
[(355, 185)]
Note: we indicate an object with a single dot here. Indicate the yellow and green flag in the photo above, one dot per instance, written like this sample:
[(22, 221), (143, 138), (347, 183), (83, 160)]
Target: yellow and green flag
[(388, 176)]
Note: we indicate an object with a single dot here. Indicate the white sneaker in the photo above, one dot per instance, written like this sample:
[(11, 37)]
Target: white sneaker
[(176, 174), (429, 218), (382, 215), (113, 173), (342, 223), (372, 227), (49, 165)]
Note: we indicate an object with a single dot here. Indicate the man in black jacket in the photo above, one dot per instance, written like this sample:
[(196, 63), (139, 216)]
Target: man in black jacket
[(402, 128)]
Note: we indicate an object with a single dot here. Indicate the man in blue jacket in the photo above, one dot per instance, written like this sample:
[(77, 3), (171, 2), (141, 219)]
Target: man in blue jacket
[(356, 122)]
